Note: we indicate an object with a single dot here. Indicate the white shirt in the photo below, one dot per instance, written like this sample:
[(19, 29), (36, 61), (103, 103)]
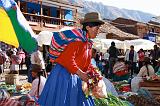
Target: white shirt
[(106, 56), (34, 89), (37, 58), (135, 57), (143, 71)]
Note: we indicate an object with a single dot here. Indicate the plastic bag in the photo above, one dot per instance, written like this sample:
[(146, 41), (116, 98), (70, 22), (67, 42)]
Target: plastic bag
[(99, 91)]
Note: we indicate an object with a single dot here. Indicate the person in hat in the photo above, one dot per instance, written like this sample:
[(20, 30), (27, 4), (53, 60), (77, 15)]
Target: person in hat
[(39, 81), (64, 84), (145, 71)]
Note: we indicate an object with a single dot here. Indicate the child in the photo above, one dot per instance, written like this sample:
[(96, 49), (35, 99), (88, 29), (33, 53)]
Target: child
[(39, 81)]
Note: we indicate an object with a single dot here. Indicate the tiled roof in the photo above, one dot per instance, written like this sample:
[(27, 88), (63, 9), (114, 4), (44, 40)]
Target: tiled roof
[(108, 28)]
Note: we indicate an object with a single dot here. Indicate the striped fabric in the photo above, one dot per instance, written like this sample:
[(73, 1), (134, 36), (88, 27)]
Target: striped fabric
[(9, 102), (61, 39), (14, 29), (119, 66)]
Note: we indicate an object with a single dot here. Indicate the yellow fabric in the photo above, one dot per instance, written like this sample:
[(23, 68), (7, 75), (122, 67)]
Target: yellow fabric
[(7, 33)]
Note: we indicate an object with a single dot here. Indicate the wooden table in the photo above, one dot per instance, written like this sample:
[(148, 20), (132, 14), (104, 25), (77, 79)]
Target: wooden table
[(152, 86)]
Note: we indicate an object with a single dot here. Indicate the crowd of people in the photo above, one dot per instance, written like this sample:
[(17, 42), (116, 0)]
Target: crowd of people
[(132, 65), (130, 61)]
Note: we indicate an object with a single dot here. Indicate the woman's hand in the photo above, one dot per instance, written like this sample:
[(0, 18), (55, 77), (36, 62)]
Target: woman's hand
[(82, 75)]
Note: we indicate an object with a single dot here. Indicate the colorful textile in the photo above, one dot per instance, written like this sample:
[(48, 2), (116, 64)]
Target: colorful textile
[(9, 102), (120, 69), (61, 39), (14, 29), (63, 89), (76, 56)]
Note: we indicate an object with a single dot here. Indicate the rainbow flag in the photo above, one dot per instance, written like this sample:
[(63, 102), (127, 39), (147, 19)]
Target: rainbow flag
[(14, 29)]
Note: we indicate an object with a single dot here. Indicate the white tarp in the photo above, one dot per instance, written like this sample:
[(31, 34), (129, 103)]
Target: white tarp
[(139, 44), (104, 44)]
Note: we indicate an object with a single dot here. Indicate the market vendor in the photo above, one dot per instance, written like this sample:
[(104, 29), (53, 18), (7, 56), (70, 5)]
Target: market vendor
[(71, 53), (39, 81), (146, 71), (120, 70)]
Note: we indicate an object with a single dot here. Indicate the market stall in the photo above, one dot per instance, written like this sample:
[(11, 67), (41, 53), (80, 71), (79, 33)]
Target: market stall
[(139, 44), (15, 95), (104, 44), (152, 84)]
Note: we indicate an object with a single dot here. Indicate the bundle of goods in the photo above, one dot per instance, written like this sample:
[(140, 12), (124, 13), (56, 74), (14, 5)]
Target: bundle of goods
[(122, 86), (139, 100), (9, 88), (14, 90), (96, 88), (120, 72), (5, 99), (152, 78), (24, 88), (95, 85), (111, 101), (27, 86)]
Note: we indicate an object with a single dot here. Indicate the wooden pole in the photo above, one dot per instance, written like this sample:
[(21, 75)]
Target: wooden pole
[(41, 13), (60, 15)]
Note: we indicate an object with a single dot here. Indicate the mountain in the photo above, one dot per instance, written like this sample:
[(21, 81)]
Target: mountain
[(110, 12)]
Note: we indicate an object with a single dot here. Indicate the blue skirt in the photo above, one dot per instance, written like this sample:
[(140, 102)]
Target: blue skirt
[(63, 89)]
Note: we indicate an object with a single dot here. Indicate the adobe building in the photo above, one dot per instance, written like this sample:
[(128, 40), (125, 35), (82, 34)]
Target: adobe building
[(150, 30), (154, 28), (49, 15), (131, 26)]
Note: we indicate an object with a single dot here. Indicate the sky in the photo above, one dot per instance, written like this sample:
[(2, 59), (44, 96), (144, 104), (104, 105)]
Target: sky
[(149, 6)]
